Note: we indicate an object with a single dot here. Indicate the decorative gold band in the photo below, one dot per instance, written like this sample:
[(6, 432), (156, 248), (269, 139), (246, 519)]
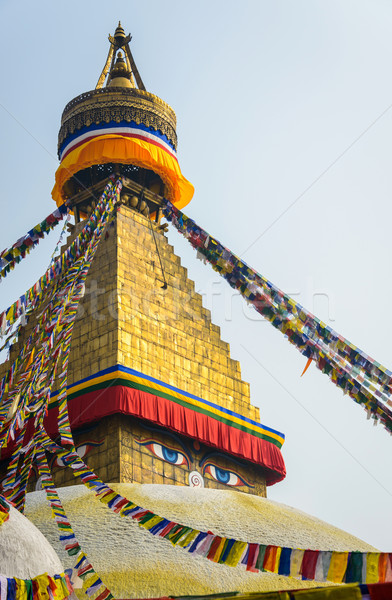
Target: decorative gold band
[(118, 104)]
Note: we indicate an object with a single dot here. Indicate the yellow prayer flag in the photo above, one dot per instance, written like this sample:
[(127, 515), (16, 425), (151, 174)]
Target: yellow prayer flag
[(277, 559), (296, 562), (235, 553), (20, 589), (151, 522), (43, 582), (30, 360), (126, 507), (219, 550), (188, 538), (106, 499), (372, 567), (93, 578), (264, 596), (62, 588), (337, 567), (347, 592)]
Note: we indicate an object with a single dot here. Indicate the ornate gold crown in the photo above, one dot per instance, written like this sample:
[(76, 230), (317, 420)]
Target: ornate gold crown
[(121, 100)]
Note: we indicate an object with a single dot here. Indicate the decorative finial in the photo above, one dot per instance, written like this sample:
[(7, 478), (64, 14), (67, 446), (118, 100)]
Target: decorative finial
[(117, 42), (120, 74), (119, 36)]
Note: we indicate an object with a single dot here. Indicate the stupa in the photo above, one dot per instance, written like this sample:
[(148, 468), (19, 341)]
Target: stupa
[(157, 405), (145, 355)]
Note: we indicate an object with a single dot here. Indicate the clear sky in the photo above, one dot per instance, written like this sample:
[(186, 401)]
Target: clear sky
[(284, 115)]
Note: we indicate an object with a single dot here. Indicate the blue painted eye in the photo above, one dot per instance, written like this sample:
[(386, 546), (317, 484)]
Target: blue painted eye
[(222, 475), (174, 457), (169, 455)]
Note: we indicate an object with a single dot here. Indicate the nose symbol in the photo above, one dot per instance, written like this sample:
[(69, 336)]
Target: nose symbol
[(196, 480)]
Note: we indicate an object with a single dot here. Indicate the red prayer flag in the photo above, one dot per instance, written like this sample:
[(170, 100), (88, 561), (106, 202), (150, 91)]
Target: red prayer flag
[(214, 547), (252, 557), (309, 562)]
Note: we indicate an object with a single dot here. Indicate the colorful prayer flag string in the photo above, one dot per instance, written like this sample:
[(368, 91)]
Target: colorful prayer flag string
[(12, 256), (348, 367), (318, 565), (26, 390), (32, 297), (42, 587), (83, 567)]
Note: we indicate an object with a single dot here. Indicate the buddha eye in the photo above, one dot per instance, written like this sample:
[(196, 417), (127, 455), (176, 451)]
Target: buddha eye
[(224, 476), (58, 462), (170, 455), (81, 450)]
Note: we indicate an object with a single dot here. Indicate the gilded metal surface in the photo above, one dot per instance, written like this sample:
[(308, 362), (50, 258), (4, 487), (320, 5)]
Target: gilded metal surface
[(134, 68), (118, 104), (121, 75), (120, 41), (106, 68)]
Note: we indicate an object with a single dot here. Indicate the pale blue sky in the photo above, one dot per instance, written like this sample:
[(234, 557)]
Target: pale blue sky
[(268, 94)]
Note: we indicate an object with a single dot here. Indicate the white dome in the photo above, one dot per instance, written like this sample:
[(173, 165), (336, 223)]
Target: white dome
[(24, 551), (134, 563)]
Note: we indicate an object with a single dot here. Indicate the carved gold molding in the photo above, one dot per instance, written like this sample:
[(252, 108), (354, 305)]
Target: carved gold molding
[(118, 104)]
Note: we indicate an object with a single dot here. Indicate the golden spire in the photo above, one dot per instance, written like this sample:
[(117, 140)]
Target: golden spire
[(119, 36), (120, 41)]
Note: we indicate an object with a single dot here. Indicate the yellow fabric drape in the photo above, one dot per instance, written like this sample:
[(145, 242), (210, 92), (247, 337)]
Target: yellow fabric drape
[(235, 553), (296, 562), (43, 583), (20, 593), (372, 567), (277, 559), (189, 538), (125, 150), (152, 522), (348, 592), (3, 516), (263, 596), (337, 567)]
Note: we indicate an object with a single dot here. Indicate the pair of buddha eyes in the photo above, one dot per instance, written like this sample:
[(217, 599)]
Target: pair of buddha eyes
[(175, 457)]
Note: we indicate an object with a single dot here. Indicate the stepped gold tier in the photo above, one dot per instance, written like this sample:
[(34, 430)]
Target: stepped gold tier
[(154, 395)]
